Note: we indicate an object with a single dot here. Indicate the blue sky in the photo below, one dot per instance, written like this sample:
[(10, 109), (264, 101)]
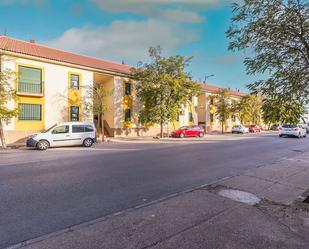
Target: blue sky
[(124, 29)]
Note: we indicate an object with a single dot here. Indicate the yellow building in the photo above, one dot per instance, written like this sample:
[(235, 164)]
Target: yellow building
[(53, 86), (206, 109)]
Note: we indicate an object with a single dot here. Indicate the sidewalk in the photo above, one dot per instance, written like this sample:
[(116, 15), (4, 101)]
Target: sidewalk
[(203, 218)]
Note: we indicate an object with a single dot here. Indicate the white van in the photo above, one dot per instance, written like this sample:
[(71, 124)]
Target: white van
[(64, 134)]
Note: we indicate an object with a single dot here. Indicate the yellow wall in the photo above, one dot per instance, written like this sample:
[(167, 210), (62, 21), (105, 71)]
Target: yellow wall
[(33, 125)]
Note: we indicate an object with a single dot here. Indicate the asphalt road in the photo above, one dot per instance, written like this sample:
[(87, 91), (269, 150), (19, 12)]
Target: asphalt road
[(43, 192)]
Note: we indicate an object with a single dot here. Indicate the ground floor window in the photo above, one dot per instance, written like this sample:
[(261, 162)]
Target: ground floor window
[(74, 113), (190, 117), (29, 111), (233, 118), (127, 116)]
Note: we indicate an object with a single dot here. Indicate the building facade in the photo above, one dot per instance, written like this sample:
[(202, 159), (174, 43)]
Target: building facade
[(206, 109), (55, 86)]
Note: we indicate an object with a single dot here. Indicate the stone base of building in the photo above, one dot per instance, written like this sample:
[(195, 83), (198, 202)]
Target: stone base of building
[(138, 132), (17, 136)]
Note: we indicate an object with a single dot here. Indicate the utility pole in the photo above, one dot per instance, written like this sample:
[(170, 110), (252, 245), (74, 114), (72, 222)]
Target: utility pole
[(206, 109)]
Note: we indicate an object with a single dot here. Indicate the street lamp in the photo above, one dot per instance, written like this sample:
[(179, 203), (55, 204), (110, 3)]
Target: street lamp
[(205, 82)]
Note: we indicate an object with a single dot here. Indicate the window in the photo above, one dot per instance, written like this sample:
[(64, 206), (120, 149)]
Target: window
[(61, 129), (89, 128), (211, 117), (233, 118), (128, 89), (177, 118), (74, 79), (29, 80), (78, 128), (211, 101), (29, 112), (82, 128), (190, 117), (127, 116), (74, 113)]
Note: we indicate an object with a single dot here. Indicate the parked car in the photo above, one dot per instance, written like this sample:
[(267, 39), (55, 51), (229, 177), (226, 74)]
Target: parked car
[(240, 129), (254, 128), (189, 131), (64, 134), (292, 130)]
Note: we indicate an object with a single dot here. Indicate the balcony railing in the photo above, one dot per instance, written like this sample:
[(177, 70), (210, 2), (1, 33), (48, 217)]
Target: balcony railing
[(29, 88)]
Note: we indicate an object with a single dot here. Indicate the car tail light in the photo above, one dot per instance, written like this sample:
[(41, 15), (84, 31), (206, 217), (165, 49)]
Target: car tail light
[(295, 129)]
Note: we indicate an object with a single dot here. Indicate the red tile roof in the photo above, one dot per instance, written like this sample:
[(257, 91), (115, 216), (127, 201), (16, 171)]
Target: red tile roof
[(212, 88), (33, 49)]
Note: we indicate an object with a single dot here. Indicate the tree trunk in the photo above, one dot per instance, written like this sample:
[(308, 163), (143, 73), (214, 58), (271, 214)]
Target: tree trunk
[(161, 128), (222, 127), (102, 127), (2, 136)]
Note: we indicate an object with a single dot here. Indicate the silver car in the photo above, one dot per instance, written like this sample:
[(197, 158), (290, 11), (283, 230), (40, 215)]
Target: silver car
[(292, 130), (240, 129)]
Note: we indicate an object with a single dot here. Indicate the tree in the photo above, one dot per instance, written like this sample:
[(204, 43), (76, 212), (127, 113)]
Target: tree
[(249, 109), (96, 104), (275, 32), (277, 110), (163, 87), (7, 93), (223, 105)]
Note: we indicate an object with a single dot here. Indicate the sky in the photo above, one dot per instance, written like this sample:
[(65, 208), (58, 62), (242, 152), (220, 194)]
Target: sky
[(123, 30)]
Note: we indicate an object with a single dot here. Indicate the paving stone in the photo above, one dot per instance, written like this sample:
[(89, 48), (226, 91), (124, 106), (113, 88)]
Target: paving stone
[(280, 193), (300, 180), (247, 183), (273, 172), (241, 228), (145, 226)]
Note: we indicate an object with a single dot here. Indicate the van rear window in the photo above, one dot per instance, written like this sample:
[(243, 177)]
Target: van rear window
[(82, 128)]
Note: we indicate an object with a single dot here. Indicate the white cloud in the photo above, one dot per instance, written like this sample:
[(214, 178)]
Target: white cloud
[(8, 2), (172, 10), (128, 40)]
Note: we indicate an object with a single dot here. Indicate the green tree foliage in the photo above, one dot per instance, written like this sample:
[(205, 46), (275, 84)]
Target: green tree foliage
[(7, 93), (249, 109), (163, 87), (223, 105), (277, 110), (96, 103), (276, 33)]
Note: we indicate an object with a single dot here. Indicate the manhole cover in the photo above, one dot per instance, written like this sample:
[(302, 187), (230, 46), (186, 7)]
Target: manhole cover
[(306, 200), (240, 196)]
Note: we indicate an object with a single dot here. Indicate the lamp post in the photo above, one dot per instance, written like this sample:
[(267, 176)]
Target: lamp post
[(205, 83)]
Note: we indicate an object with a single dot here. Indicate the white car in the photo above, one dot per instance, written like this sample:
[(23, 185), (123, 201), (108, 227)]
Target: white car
[(292, 130), (240, 129), (64, 134)]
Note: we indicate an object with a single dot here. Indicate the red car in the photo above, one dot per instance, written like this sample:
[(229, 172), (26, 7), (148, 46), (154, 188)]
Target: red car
[(189, 131), (254, 128)]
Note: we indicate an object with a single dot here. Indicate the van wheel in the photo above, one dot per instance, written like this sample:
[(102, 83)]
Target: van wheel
[(42, 145), (88, 142)]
